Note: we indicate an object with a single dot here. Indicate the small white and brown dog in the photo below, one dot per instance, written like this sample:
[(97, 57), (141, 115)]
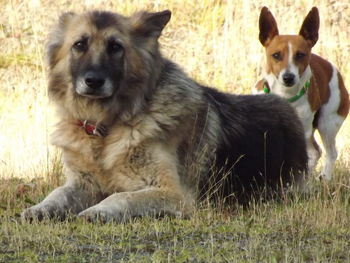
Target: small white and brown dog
[(312, 85)]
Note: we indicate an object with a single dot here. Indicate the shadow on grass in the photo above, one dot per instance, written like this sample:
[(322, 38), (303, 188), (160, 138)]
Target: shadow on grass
[(307, 227)]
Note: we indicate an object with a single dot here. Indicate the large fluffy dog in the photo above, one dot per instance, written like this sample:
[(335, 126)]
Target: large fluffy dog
[(139, 137)]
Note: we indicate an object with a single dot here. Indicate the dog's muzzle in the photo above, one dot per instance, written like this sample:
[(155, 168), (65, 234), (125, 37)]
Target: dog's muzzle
[(94, 85)]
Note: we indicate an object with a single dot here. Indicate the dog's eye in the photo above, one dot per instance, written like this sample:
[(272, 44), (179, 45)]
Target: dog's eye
[(299, 55), (277, 56), (114, 47), (81, 45)]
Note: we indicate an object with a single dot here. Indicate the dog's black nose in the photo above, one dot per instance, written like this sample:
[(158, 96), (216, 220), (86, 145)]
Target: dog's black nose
[(94, 80), (288, 79)]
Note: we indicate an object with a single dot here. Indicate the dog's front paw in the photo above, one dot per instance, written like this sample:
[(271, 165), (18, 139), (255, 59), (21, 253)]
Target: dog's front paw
[(104, 214), (42, 211)]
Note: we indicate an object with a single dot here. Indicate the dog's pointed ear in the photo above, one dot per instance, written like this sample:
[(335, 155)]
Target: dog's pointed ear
[(56, 38), (310, 26), (150, 24), (267, 26), (65, 18)]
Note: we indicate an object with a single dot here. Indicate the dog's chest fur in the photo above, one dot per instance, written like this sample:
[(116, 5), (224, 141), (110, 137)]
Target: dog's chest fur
[(98, 156)]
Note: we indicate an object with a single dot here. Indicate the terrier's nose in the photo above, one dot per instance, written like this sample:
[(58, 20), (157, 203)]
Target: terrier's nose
[(288, 79)]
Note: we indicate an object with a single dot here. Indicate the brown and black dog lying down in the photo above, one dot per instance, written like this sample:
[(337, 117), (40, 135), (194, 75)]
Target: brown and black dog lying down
[(139, 137)]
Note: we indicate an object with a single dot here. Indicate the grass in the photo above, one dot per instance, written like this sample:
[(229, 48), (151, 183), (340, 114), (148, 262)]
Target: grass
[(311, 228), (216, 42)]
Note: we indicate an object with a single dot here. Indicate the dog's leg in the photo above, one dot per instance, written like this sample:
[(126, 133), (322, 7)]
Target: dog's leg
[(328, 127), (154, 183), (76, 195), (330, 122), (314, 152), (121, 207)]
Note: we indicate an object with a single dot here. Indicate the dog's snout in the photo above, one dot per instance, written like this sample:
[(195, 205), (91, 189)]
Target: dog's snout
[(288, 79), (94, 80)]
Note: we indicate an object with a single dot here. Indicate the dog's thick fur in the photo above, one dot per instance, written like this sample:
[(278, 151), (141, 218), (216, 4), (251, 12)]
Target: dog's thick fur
[(170, 141)]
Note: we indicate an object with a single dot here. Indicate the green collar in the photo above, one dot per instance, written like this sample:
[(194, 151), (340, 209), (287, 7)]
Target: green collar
[(296, 97)]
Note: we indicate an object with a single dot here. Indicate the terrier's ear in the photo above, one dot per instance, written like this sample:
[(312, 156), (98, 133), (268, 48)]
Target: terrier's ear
[(267, 27), (310, 27)]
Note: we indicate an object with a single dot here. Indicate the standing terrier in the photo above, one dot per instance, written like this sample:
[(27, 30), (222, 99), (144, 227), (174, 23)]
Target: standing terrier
[(312, 85)]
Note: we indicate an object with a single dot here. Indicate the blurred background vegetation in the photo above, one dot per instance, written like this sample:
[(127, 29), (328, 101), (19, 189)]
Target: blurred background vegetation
[(216, 42)]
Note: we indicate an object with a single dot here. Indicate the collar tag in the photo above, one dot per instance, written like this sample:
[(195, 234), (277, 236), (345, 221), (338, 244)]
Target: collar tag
[(92, 128)]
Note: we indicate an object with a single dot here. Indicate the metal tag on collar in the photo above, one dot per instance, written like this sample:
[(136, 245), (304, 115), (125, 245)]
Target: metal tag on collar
[(93, 129)]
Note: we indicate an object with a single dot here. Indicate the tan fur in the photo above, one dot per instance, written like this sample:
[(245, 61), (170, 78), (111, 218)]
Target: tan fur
[(132, 158)]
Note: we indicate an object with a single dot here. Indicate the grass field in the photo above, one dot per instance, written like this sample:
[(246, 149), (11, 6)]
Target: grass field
[(216, 42)]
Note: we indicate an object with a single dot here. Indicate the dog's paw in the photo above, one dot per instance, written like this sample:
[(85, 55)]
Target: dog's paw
[(42, 211), (104, 214)]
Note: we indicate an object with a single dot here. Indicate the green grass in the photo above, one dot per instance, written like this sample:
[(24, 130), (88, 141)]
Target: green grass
[(308, 227)]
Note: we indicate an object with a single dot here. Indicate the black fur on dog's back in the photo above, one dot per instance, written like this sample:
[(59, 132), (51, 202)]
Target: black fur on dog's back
[(241, 146), (263, 147)]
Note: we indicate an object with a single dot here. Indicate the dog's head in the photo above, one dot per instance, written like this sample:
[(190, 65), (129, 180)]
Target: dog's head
[(288, 56), (102, 56)]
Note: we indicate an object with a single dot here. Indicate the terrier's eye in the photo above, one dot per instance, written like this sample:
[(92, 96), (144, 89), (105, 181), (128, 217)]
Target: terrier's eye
[(81, 45), (277, 56), (299, 55), (114, 47)]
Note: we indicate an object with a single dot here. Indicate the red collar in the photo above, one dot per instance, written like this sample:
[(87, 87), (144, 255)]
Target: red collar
[(92, 128)]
